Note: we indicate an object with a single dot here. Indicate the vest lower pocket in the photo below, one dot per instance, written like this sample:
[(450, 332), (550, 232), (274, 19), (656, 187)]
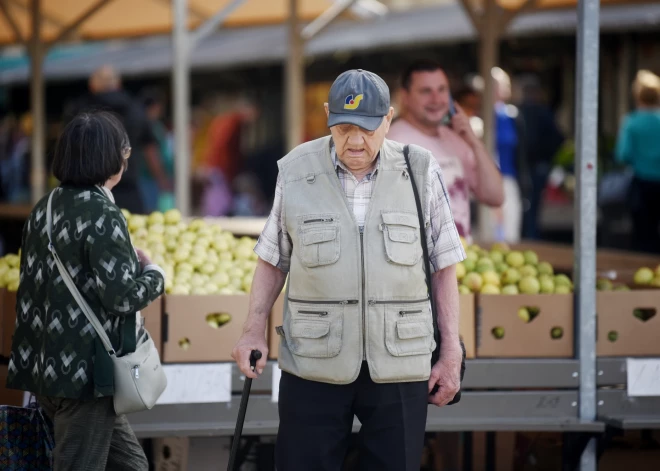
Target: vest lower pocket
[(316, 332), (408, 331), (401, 235)]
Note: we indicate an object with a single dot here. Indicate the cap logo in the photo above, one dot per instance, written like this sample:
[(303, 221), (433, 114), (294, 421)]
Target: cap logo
[(352, 103)]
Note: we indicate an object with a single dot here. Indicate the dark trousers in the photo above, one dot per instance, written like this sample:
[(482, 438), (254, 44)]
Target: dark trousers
[(316, 421), (645, 209), (90, 437)]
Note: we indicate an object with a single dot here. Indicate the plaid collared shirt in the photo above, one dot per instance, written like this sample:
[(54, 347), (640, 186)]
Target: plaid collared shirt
[(444, 245)]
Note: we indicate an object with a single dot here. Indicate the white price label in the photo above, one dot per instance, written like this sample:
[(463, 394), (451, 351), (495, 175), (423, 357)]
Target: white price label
[(194, 384), (643, 377), (277, 374)]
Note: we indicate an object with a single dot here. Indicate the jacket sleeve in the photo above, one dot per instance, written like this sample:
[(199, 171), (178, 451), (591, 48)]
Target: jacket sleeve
[(622, 151), (123, 288)]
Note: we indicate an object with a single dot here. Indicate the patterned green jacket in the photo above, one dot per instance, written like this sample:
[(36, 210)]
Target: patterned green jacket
[(55, 351)]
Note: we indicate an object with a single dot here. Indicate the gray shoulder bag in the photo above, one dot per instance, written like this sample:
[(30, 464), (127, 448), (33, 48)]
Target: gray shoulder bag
[(138, 377)]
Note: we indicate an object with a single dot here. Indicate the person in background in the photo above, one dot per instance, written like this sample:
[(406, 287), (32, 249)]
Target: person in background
[(55, 352), (469, 99), (542, 141), (106, 94), (157, 196), (505, 223), (638, 145), (466, 165), (224, 158)]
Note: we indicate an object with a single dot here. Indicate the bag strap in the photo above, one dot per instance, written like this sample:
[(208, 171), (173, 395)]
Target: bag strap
[(64, 273), (435, 356)]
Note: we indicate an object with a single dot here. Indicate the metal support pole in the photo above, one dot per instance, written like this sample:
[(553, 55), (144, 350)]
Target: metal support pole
[(181, 93), (38, 106), (586, 120), (488, 58), (294, 81)]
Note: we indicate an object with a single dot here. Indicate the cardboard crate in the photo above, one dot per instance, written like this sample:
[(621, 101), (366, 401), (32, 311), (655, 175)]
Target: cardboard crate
[(466, 326), (522, 339), (634, 336), (185, 319), (8, 318), (153, 322)]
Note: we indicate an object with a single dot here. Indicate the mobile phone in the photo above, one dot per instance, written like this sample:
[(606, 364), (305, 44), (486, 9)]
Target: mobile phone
[(450, 114)]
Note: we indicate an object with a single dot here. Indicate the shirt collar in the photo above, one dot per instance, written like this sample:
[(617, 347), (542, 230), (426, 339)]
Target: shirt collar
[(106, 192)]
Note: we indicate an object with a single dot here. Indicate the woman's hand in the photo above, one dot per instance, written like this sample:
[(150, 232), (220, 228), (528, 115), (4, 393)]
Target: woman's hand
[(143, 258)]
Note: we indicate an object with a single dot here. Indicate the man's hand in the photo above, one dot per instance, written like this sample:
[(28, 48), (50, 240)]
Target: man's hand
[(250, 341), (446, 373), (460, 123)]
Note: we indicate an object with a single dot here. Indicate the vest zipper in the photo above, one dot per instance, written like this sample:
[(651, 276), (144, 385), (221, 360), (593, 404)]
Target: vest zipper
[(309, 221), (406, 313), (314, 313), (364, 297), (373, 302), (302, 301)]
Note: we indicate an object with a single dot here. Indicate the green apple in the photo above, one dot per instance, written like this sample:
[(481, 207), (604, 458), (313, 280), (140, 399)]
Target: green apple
[(523, 314), (510, 289), (490, 289), (462, 289), (511, 276), (172, 216), (460, 271), (603, 284), (643, 276), (529, 285), (530, 257), (515, 259), (547, 285), (496, 256), (188, 237), (490, 278), (528, 270), (473, 281), (562, 289), (181, 289), (545, 268)]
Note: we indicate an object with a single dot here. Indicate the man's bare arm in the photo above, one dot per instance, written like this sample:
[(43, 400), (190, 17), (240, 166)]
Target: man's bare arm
[(267, 285), (445, 294), (489, 188)]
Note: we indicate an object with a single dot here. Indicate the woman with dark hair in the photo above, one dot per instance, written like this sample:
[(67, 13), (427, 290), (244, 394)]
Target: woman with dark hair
[(56, 353)]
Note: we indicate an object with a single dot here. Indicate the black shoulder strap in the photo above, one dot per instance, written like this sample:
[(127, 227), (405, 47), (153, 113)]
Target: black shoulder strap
[(425, 251), (435, 356)]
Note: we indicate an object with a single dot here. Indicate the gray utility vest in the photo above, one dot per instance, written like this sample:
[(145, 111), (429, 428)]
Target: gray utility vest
[(352, 294)]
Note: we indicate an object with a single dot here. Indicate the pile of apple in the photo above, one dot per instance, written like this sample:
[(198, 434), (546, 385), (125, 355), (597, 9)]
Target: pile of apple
[(9, 271), (198, 257), (644, 278), (501, 270)]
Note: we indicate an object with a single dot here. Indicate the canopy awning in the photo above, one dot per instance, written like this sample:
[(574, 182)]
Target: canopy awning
[(242, 46), (106, 19)]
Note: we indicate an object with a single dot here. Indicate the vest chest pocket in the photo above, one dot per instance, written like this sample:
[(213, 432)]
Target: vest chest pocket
[(316, 332), (408, 330), (401, 235), (319, 244)]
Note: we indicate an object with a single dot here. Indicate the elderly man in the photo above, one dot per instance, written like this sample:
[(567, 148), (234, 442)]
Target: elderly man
[(357, 335)]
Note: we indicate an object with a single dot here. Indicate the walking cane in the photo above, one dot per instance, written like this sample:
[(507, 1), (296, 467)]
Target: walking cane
[(255, 356)]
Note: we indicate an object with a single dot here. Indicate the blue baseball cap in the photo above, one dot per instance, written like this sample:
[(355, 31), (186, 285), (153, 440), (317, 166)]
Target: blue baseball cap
[(358, 97)]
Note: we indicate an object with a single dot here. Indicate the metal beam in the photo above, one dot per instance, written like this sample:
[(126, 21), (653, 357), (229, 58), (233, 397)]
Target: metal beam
[(45, 17), (181, 94), (4, 7), (210, 25), (586, 166), (37, 105), (324, 19), (294, 81), (75, 24)]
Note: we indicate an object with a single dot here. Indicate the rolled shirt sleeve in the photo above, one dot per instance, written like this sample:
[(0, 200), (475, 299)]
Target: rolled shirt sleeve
[(274, 245)]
